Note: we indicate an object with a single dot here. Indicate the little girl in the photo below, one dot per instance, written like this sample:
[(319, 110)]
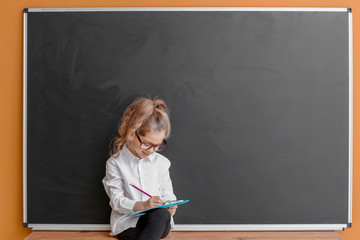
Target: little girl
[(134, 161)]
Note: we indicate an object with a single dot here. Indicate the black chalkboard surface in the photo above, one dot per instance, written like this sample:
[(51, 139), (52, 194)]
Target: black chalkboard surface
[(259, 105)]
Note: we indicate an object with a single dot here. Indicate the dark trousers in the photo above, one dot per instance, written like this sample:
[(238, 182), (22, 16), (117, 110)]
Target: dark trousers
[(151, 226)]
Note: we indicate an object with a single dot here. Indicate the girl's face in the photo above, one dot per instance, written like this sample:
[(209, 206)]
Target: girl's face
[(154, 138)]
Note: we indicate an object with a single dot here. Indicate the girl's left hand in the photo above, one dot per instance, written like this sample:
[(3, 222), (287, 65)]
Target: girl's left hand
[(172, 210)]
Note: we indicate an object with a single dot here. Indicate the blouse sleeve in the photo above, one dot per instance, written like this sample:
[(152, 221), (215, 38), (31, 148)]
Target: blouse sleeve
[(166, 188), (114, 187)]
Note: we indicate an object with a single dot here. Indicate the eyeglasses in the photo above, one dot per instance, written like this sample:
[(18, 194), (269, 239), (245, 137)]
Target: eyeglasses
[(147, 145)]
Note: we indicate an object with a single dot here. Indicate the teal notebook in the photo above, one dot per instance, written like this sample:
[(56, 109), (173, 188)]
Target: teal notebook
[(166, 205)]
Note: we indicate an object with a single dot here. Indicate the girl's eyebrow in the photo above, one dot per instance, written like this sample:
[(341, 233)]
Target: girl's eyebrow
[(151, 142)]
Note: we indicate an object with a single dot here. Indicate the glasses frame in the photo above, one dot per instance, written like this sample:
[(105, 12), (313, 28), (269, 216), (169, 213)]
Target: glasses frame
[(152, 145)]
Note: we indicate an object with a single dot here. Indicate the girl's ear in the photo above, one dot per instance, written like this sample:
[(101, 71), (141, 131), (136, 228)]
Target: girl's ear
[(130, 139), (129, 143)]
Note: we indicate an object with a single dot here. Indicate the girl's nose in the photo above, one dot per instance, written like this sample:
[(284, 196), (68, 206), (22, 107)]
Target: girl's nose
[(151, 150)]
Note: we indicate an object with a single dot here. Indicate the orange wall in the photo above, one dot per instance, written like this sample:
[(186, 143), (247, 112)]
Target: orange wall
[(11, 92)]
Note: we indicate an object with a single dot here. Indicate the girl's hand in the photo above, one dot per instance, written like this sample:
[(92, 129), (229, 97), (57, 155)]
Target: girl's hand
[(153, 202), (150, 203), (172, 210)]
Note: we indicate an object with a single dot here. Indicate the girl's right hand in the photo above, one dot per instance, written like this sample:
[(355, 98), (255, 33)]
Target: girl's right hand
[(150, 203), (153, 202)]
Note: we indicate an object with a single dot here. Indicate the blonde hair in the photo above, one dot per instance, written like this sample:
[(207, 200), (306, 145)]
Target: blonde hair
[(140, 117)]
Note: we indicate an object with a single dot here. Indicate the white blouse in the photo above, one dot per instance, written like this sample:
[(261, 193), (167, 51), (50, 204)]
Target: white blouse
[(150, 174)]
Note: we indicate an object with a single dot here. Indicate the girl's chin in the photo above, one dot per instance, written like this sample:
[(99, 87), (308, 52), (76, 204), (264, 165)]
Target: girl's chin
[(144, 154)]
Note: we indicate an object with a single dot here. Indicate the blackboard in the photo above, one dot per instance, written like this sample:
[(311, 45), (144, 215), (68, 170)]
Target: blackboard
[(260, 105)]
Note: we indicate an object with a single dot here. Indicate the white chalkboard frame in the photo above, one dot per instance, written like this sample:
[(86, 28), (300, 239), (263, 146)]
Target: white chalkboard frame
[(192, 227)]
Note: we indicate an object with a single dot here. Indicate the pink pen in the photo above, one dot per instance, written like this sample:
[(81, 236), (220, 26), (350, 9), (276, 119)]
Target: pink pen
[(140, 190)]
